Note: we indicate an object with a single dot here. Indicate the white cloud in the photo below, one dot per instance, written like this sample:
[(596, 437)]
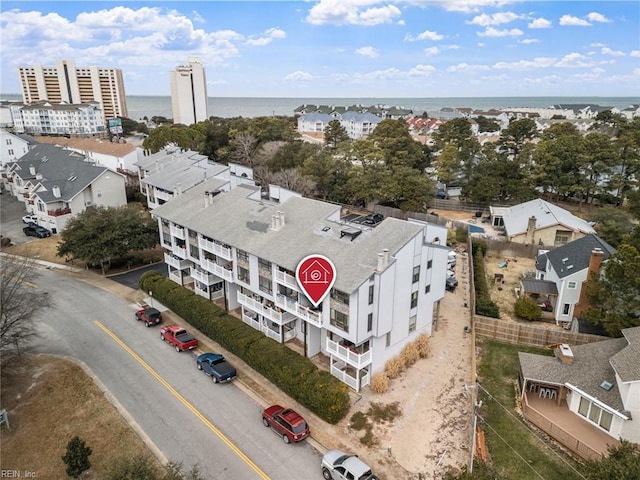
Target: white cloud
[(267, 37), (431, 51), (613, 53), (465, 67), (494, 32), (529, 41), (421, 71), (540, 23), (342, 12), (571, 21), (598, 18), (426, 35), (536, 63), (299, 76), (597, 45), (574, 60), (367, 52), (634, 53), (465, 6), (499, 18)]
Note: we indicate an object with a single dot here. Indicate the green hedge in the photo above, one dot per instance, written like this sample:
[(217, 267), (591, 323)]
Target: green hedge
[(484, 305), (294, 374)]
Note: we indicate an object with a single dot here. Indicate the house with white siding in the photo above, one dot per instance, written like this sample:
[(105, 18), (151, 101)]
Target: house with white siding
[(241, 248)]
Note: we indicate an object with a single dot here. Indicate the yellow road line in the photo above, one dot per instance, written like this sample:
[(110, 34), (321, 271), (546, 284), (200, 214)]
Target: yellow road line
[(184, 401)]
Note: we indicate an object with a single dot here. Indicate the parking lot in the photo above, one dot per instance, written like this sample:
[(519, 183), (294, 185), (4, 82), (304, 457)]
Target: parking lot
[(11, 213)]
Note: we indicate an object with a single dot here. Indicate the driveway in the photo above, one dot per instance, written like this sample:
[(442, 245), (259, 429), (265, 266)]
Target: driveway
[(11, 213)]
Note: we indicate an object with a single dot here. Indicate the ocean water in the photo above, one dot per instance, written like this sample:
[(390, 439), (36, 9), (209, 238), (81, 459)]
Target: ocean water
[(140, 106)]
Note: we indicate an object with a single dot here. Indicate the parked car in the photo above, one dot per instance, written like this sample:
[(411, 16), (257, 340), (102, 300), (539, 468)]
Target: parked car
[(373, 218), (30, 219), (216, 366), (33, 230), (451, 283), (149, 315), (286, 423), (178, 337), (441, 194), (337, 465)]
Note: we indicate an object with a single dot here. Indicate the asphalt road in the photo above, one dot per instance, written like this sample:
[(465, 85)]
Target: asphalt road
[(130, 279), (188, 417)]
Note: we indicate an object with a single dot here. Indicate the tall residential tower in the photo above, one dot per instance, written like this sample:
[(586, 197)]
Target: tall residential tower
[(189, 93), (67, 83)]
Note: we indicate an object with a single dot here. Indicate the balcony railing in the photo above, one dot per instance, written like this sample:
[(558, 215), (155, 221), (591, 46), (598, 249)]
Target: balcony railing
[(204, 277), (176, 276), (177, 232), (179, 251), (59, 212), (162, 195), (251, 321), (215, 248), (287, 280), (340, 371), (26, 195), (290, 305), (199, 291), (357, 360), (177, 263), (264, 310), (219, 270)]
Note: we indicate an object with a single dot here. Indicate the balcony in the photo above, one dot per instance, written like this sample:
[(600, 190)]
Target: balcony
[(283, 278), (176, 276), (345, 374), (162, 195), (204, 277), (179, 251), (215, 248), (290, 305), (349, 354), (26, 195), (58, 212), (176, 263), (177, 232), (219, 270), (265, 310), (200, 291)]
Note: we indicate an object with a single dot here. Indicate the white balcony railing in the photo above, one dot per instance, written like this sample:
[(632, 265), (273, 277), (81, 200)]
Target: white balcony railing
[(216, 269), (177, 263), (215, 248), (287, 280), (177, 232), (179, 251), (357, 360), (290, 305), (338, 372), (162, 195), (251, 321), (175, 276), (204, 277), (200, 291), (264, 310)]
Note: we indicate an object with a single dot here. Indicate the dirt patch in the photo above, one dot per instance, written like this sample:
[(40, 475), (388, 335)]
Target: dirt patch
[(49, 401), (503, 277)]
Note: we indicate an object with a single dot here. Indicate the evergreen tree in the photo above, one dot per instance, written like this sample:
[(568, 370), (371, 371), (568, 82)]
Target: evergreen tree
[(77, 457)]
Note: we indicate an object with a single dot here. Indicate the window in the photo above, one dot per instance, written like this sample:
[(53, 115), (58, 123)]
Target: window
[(565, 309), (370, 294), (429, 264), (388, 339), (10, 151), (242, 255), (595, 414), (412, 323), (243, 274), (369, 322), (562, 238), (340, 296), (427, 288), (416, 274), (583, 409), (166, 238), (41, 207), (572, 285), (8, 141), (414, 299), (264, 264), (339, 319), (264, 284), (193, 251)]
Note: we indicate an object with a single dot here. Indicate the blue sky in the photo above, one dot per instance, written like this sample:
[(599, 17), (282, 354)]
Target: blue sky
[(339, 48)]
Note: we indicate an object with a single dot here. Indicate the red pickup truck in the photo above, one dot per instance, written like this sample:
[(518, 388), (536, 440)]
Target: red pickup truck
[(178, 337)]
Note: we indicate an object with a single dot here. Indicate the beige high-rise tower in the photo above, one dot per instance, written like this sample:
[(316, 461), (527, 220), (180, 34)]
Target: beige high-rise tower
[(189, 93), (67, 83)]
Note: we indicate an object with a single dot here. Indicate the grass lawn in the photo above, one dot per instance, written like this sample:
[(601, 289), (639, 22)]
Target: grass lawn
[(49, 401), (514, 450)]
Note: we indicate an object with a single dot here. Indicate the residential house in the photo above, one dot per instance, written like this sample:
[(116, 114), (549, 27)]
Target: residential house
[(13, 146), (56, 184), (539, 222), (561, 275), (586, 397), (239, 247)]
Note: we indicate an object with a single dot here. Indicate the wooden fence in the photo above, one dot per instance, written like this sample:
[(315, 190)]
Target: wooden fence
[(523, 334)]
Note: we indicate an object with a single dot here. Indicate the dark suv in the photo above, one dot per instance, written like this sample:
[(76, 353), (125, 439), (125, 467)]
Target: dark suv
[(373, 218), (33, 230)]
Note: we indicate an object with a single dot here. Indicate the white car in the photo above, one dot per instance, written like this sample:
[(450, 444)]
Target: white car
[(30, 219), (337, 465)]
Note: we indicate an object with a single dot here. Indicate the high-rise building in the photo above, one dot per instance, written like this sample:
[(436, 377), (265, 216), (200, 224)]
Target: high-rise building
[(189, 93), (67, 83)]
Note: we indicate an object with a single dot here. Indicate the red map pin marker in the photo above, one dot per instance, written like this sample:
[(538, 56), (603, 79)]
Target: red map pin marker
[(316, 274)]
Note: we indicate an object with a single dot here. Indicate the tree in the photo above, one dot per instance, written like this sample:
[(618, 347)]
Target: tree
[(487, 124), (517, 134), (598, 157), (622, 463), (481, 471), (99, 235), (335, 134), (527, 308), (20, 302), (77, 457), (611, 224)]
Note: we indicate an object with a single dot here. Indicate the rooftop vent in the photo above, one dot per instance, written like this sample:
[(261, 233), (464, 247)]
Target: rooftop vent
[(351, 232), (606, 385), (72, 177)]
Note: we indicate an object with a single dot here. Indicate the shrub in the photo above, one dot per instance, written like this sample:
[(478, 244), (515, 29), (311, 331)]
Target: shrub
[(77, 457), (394, 367), (422, 343), (487, 307), (358, 421), (380, 382), (131, 468), (410, 354), (528, 309)]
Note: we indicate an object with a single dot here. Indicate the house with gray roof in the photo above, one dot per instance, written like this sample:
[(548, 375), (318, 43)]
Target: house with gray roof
[(585, 396), (561, 274), (55, 184), (242, 248), (540, 222)]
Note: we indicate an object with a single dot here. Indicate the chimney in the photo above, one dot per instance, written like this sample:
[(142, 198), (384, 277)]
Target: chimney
[(385, 254), (281, 219), (206, 199), (593, 274), (178, 189), (531, 230), (380, 262), (32, 170), (273, 222), (564, 353), (56, 191)]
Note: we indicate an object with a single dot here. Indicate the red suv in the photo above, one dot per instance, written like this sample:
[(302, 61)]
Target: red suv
[(285, 422)]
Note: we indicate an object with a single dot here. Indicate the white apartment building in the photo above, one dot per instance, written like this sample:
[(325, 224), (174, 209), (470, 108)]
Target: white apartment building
[(12, 146), (67, 83), (189, 92), (46, 118), (238, 246)]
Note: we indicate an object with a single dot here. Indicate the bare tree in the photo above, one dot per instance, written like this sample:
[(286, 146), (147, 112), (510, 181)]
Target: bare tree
[(20, 301), (292, 180), (245, 144)]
